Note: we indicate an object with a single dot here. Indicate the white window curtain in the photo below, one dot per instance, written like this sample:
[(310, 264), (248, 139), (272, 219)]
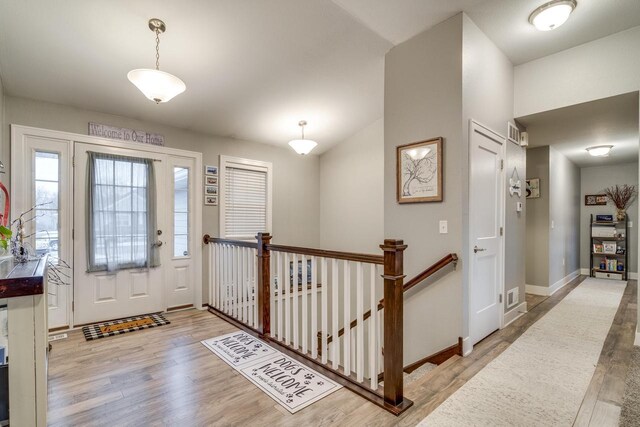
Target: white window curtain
[(121, 213), (245, 202)]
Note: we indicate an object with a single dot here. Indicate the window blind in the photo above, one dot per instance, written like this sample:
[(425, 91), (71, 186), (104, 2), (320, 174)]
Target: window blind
[(245, 198)]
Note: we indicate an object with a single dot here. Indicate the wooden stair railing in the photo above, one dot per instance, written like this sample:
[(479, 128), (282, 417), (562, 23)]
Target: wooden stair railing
[(419, 278)]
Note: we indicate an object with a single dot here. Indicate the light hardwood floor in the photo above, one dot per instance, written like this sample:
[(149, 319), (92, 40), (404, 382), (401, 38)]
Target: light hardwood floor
[(164, 376)]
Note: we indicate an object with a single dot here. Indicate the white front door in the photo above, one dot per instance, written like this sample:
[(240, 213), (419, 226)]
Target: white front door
[(486, 212), (105, 295)]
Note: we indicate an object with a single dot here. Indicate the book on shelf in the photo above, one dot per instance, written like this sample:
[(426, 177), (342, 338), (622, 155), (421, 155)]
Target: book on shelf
[(598, 248)]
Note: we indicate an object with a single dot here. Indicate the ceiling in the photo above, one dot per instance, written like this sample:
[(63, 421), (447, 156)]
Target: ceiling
[(570, 130), (254, 68)]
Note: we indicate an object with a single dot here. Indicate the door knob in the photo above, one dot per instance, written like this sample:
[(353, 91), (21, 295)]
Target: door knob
[(477, 249), (158, 243)]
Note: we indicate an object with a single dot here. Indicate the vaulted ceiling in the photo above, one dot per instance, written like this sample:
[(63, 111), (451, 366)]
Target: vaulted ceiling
[(254, 68)]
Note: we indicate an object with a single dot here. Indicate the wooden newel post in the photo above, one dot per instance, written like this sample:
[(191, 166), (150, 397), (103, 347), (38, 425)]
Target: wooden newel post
[(264, 284), (393, 317)]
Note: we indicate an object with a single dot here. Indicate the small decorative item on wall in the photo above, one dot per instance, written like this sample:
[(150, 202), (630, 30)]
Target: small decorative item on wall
[(210, 180), (211, 170), (515, 185), (595, 200), (419, 171), (211, 190), (533, 188), (211, 200)]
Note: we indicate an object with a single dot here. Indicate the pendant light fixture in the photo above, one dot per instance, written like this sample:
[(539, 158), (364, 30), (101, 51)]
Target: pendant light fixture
[(302, 146), (551, 15), (156, 85)]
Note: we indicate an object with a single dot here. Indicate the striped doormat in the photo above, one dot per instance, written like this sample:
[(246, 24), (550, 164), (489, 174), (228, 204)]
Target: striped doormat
[(128, 324)]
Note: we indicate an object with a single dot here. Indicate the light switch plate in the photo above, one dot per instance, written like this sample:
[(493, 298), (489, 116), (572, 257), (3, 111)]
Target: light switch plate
[(444, 227)]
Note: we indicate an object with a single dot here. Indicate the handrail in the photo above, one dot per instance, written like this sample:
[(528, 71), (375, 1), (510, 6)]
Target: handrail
[(347, 256), (242, 243), (419, 278)]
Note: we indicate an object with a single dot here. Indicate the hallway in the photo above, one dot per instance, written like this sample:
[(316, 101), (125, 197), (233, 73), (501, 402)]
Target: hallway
[(164, 376)]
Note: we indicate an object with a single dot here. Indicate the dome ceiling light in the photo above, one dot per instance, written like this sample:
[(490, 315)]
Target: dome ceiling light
[(302, 146), (551, 15), (156, 85), (600, 150)]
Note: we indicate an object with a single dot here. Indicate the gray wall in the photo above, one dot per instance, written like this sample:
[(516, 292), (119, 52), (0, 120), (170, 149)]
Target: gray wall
[(488, 98), (593, 181), (537, 222), (564, 216), (423, 99), (351, 192), (296, 180)]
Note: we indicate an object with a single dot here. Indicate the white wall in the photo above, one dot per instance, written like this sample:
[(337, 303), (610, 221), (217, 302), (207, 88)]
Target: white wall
[(423, 99), (537, 224), (599, 69), (564, 215), (352, 194), (593, 181), (296, 182)]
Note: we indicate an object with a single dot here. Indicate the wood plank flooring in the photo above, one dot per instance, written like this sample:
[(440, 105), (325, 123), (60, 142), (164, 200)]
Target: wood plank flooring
[(164, 376)]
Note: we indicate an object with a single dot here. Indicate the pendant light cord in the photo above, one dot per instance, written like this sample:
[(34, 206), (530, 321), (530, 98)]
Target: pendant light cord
[(157, 49)]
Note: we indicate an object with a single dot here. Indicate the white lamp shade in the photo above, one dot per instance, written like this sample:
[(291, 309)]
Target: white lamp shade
[(551, 16), (303, 146), (156, 85), (600, 151)]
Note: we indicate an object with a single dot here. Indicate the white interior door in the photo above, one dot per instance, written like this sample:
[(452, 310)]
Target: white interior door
[(179, 255), (486, 212), (106, 295)]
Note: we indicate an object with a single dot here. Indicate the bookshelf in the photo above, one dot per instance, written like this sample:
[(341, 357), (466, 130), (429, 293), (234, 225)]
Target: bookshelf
[(609, 248)]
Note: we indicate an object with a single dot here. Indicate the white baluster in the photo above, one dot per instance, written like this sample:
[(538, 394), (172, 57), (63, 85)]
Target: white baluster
[(373, 325), (295, 303), (243, 284), (314, 308), (280, 293), (286, 291), (305, 306), (324, 288), (335, 315), (212, 273), (360, 324), (347, 318)]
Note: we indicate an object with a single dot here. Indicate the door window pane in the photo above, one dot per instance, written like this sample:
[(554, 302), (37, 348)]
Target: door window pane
[(180, 211), (47, 201)]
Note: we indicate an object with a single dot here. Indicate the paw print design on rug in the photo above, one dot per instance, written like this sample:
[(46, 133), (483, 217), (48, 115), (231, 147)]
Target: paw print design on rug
[(309, 376), (320, 383)]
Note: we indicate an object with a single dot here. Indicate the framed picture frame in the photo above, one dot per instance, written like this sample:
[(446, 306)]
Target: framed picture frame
[(211, 190), (533, 188), (419, 171), (211, 200), (210, 180), (595, 199), (211, 170)]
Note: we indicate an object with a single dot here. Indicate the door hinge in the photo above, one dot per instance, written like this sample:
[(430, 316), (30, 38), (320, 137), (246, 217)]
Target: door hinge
[(73, 233), (500, 299), (501, 164), (73, 306), (73, 161), (501, 231)]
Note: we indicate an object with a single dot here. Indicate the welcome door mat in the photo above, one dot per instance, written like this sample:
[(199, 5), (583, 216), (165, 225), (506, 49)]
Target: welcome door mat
[(288, 382), (117, 327)]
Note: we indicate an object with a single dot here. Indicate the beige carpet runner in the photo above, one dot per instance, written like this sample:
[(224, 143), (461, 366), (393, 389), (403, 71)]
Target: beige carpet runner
[(541, 379)]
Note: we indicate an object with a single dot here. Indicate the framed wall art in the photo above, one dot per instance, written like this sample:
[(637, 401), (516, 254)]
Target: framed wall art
[(595, 199), (419, 171), (533, 188)]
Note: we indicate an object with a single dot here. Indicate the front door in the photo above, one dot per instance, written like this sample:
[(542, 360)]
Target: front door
[(486, 211), (113, 274)]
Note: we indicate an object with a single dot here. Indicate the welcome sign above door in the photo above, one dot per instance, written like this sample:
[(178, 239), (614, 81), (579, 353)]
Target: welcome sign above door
[(125, 134)]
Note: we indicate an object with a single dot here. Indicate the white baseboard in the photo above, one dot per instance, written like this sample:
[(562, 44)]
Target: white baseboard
[(584, 271), (548, 291), (467, 348), (515, 313), (637, 340)]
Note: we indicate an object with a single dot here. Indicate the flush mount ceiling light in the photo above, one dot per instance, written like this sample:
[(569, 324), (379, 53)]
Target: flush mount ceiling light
[(302, 146), (600, 150), (156, 85), (551, 15)]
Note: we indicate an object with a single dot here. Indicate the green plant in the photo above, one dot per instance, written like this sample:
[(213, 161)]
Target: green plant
[(5, 237)]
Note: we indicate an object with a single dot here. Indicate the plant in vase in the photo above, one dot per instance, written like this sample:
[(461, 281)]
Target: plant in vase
[(621, 196)]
